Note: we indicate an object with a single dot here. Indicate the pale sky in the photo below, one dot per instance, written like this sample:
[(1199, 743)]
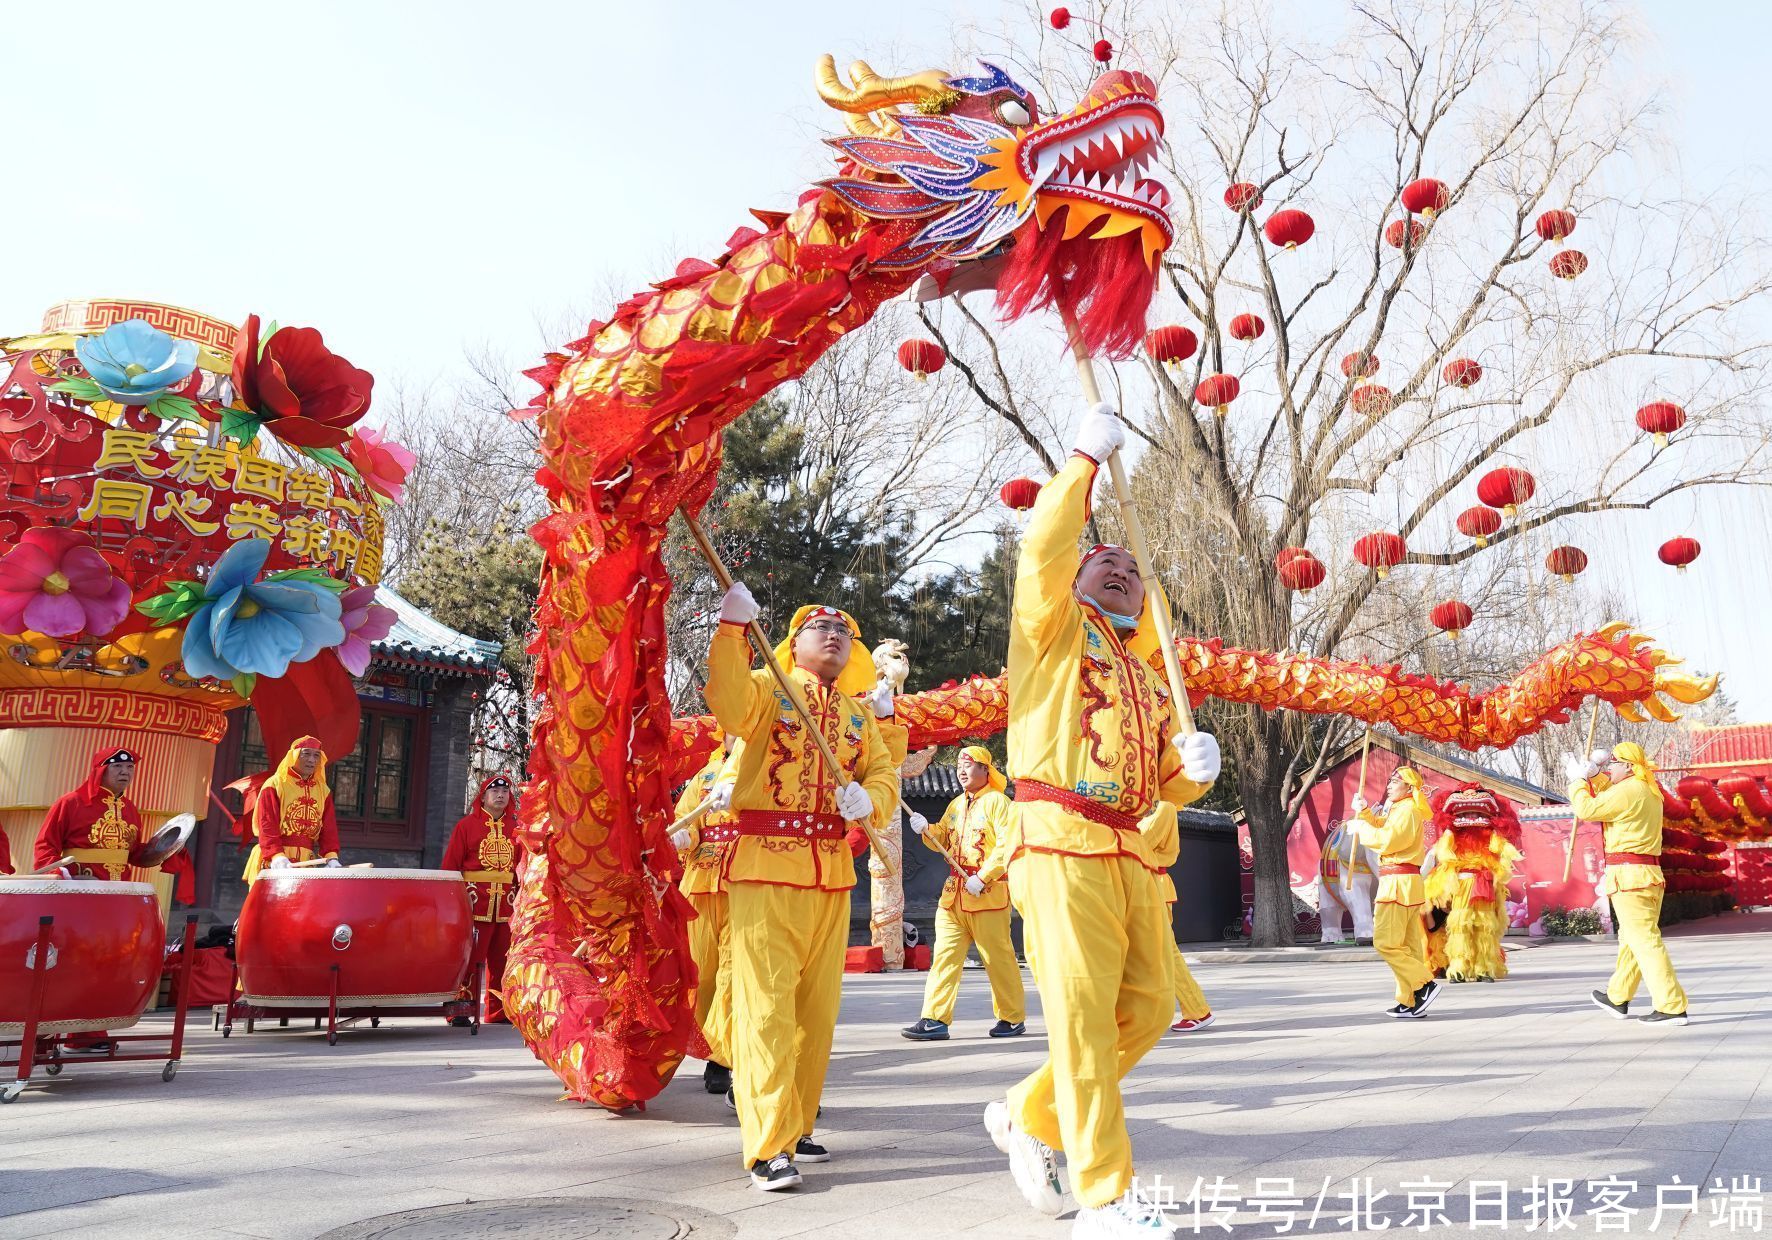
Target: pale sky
[(420, 179)]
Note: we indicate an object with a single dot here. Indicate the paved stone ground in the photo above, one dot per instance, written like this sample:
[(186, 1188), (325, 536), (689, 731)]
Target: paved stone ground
[(1302, 1080)]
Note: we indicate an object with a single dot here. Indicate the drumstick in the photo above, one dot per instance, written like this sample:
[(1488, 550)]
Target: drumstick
[(691, 816), (45, 869)]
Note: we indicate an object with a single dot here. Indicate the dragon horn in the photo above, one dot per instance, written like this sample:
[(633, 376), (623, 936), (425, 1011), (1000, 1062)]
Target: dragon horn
[(872, 92), (1688, 689), (1630, 713), (1655, 706), (1611, 629)]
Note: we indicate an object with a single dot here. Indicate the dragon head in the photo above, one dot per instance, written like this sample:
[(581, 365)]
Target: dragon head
[(1472, 807), (971, 161)]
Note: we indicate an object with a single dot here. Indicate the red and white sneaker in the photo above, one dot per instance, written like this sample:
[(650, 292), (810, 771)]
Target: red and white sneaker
[(1188, 1025)]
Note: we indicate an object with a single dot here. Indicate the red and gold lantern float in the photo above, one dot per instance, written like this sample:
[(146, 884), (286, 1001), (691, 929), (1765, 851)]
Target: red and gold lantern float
[(1380, 552), (1479, 523), (1170, 345), (1290, 228), (1218, 391), (1462, 372), (1451, 617), (1679, 552), (1566, 562), (1246, 327), (922, 357), (1506, 488), (1661, 418)]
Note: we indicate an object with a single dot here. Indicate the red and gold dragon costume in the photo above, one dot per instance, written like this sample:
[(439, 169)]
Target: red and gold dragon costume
[(958, 182)]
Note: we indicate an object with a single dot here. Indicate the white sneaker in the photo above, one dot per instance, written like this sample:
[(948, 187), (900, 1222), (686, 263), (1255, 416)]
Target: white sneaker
[(1034, 1164), (996, 1122), (1129, 1217)]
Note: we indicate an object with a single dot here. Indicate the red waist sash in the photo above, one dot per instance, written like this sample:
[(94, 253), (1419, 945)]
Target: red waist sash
[(1633, 859), (1397, 871), (1081, 806), (778, 824)]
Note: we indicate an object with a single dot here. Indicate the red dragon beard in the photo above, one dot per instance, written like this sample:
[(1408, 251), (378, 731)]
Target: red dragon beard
[(1103, 285)]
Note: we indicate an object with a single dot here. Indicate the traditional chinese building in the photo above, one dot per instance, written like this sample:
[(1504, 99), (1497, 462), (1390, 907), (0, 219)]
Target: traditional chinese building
[(404, 786)]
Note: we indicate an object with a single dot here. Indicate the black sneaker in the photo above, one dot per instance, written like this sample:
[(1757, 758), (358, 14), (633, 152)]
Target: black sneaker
[(1003, 1029), (1665, 1018), (716, 1078), (1399, 1012), (1603, 1000), (926, 1030), (1425, 996), (776, 1174), (731, 1101), (808, 1150)]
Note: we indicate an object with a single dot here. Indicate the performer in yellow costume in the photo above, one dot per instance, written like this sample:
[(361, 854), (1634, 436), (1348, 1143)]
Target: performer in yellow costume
[(1400, 839), (1163, 834), (1629, 809), (789, 868), (702, 849), (974, 902), (1093, 748)]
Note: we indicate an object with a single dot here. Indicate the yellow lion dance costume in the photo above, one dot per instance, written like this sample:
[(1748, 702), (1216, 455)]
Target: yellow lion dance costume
[(1479, 841)]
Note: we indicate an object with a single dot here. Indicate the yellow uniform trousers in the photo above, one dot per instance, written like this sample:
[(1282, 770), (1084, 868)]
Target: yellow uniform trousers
[(710, 946), (1641, 953), (1094, 930), (1401, 939), (787, 981), (955, 932), (1188, 994)]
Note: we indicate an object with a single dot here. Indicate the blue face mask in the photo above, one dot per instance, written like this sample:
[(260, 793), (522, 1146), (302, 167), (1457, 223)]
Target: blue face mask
[(1122, 624)]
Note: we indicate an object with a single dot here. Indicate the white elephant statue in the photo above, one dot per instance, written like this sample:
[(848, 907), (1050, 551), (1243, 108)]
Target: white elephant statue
[(1347, 885)]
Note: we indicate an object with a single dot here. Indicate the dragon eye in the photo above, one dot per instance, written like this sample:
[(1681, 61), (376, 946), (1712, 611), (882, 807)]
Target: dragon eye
[(1013, 112)]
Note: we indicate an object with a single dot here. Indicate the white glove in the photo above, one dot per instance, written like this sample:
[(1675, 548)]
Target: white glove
[(919, 824), (720, 799), (1101, 433), (279, 862), (1598, 761), (680, 838), (881, 700), (1576, 767), (738, 607), (854, 803), (1199, 756), (1357, 806), (333, 863), (974, 885)]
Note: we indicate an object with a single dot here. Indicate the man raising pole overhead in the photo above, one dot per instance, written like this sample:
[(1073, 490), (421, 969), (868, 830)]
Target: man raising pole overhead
[(1094, 746), (974, 902), (790, 866)]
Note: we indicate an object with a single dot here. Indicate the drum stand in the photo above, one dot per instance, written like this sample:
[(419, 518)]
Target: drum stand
[(337, 1016), (46, 1050)]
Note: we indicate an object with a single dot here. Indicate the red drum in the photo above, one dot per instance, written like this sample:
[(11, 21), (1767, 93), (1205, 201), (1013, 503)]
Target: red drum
[(105, 952), (400, 938)]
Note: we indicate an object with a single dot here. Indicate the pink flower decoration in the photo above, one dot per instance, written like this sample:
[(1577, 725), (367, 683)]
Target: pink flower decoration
[(55, 582), (366, 622), (383, 463)]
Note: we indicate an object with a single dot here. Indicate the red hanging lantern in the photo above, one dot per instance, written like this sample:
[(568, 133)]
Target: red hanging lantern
[(1462, 372), (1397, 231), (922, 357), (1299, 570), (1679, 552), (1479, 523), (1242, 196), (1427, 197), (1506, 488), (1290, 228), (1451, 617), (1568, 264), (1218, 391), (1661, 418), (1060, 18), (1555, 226), (1247, 327), (1380, 552), (1566, 562), (1372, 400), (1019, 493), (1104, 51), (1171, 345), (1359, 365)]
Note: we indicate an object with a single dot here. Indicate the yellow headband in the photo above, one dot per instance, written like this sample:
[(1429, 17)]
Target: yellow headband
[(982, 756), (1631, 753), (857, 676), (1412, 777)]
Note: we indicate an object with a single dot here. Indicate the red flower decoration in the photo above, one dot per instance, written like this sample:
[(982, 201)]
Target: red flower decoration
[(310, 396), (381, 463), (1060, 18), (1104, 51)]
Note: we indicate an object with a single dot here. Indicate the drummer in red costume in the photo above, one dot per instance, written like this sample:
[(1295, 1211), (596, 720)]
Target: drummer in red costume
[(95, 825), (294, 817), (485, 852)]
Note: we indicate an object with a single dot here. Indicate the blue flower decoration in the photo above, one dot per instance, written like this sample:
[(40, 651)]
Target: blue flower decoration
[(134, 361), (251, 627)]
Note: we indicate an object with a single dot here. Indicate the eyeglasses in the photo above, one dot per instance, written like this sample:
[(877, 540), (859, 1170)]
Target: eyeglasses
[(828, 626)]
